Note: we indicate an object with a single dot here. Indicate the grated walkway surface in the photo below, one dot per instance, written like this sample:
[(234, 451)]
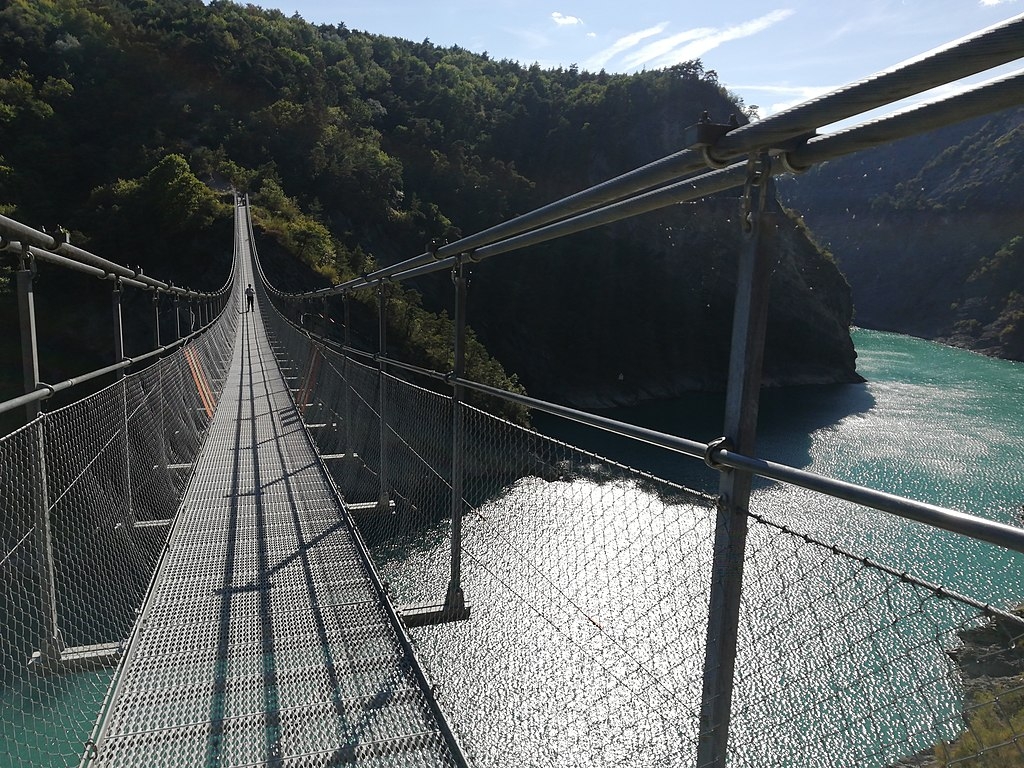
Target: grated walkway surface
[(266, 640)]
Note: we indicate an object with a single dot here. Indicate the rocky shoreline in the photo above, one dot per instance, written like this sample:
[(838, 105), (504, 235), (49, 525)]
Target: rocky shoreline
[(991, 663)]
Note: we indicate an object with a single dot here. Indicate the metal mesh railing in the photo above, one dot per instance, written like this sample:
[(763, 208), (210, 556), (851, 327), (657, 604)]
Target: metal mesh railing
[(589, 585), (844, 661), (87, 493)]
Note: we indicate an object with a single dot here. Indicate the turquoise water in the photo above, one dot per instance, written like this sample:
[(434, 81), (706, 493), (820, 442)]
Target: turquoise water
[(932, 423), (946, 426), (590, 595)]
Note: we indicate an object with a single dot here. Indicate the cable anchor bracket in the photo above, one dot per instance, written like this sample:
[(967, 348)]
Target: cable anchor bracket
[(758, 175), (704, 134), (716, 445)]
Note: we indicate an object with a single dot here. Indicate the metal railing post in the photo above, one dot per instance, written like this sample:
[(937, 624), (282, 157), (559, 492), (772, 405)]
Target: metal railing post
[(156, 320), (121, 377), (742, 397), (29, 339), (455, 599), (52, 643), (177, 318), (115, 304), (383, 500), (347, 393)]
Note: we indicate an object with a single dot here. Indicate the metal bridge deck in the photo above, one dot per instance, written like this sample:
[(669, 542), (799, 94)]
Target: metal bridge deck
[(266, 640)]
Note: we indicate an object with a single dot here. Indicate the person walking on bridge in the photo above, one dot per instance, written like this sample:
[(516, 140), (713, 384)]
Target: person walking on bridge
[(250, 294)]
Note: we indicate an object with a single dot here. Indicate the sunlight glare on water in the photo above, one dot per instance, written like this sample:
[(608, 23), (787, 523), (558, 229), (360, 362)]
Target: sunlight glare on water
[(590, 596), (589, 605)]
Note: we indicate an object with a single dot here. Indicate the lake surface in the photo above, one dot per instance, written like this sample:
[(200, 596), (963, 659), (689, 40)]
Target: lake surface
[(590, 593), (589, 586), (932, 423)]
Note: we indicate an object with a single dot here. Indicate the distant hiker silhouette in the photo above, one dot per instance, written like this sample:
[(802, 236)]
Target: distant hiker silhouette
[(250, 294)]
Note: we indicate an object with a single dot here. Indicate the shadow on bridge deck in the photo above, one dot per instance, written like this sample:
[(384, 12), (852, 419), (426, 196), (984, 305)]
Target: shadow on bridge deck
[(267, 638)]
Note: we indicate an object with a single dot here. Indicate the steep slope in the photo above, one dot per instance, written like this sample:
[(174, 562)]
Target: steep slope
[(647, 313), (362, 148), (927, 231)]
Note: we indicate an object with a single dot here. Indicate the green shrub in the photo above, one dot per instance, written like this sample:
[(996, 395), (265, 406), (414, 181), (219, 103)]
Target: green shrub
[(995, 727)]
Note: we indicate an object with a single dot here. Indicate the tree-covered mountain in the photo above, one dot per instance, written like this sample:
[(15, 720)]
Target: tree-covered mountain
[(930, 232), (119, 119)]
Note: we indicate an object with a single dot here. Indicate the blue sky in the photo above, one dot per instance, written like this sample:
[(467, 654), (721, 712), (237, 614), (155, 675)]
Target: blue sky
[(772, 54)]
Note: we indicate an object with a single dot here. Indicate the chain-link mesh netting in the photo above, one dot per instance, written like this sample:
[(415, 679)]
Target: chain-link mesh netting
[(844, 661), (589, 585), (87, 493)]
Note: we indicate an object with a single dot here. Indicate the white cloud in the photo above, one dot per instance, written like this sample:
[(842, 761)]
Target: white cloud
[(665, 48), (997, 2), (598, 60), (714, 38), (563, 20), (683, 46)]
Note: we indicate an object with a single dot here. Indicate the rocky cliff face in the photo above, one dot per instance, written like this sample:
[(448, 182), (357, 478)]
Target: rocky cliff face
[(928, 231), (643, 310)]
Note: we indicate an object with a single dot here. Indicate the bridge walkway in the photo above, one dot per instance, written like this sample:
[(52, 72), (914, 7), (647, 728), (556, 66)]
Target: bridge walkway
[(267, 639)]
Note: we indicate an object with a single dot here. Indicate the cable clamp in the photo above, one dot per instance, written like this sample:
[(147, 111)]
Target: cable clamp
[(434, 246), (758, 175), (705, 134), (789, 166), (710, 161), (60, 237), (28, 261), (716, 445)]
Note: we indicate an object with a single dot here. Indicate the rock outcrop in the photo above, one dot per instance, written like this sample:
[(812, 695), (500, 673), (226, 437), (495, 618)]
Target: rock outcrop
[(644, 310), (929, 232)]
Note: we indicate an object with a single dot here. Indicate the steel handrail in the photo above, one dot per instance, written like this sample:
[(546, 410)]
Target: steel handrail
[(783, 132), (993, 95), (44, 247), (75, 266), (45, 391), (47, 247), (1000, 534), (1002, 93)]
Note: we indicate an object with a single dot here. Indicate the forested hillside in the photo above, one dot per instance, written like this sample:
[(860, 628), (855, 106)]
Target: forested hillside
[(930, 232), (124, 120)]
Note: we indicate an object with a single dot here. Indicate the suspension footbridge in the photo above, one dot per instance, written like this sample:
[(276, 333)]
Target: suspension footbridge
[(211, 560), (266, 637)]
